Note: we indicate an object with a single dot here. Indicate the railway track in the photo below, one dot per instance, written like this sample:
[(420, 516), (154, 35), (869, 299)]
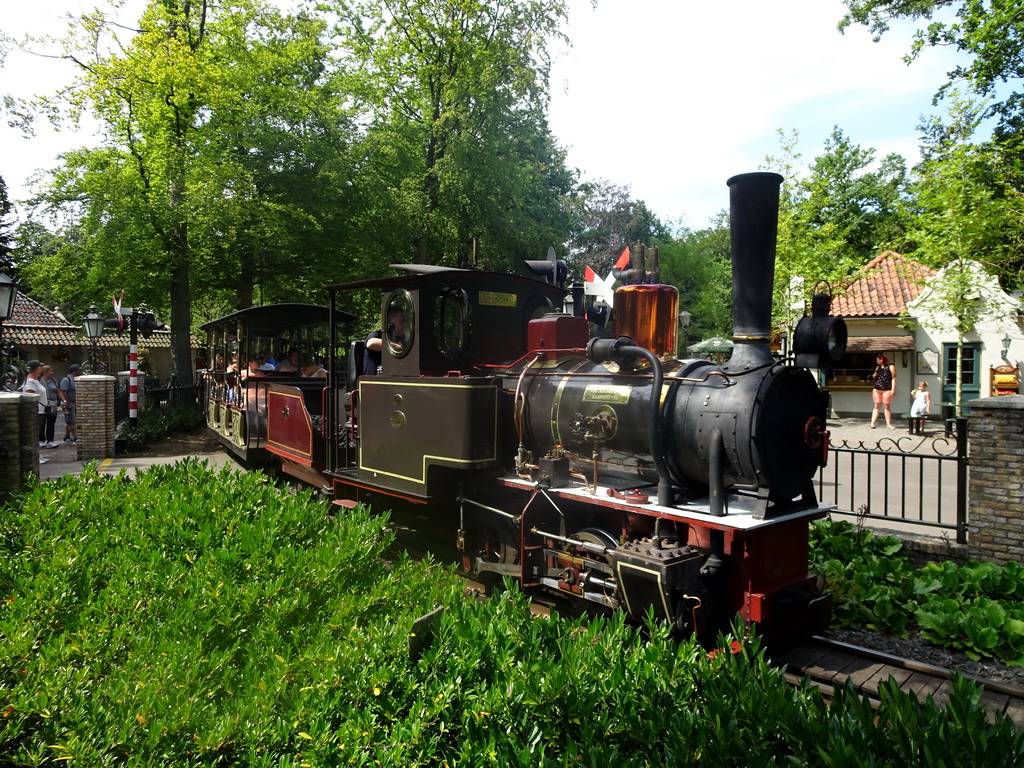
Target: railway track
[(829, 664)]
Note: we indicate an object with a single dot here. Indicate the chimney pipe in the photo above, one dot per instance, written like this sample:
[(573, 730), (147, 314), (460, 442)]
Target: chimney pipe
[(754, 221)]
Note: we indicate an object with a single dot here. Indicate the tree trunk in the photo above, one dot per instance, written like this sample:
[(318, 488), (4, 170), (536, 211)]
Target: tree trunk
[(182, 364)]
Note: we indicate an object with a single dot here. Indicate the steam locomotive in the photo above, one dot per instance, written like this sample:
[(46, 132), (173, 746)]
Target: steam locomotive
[(603, 469)]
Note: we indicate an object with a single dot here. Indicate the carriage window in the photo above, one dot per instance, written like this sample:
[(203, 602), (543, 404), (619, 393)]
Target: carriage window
[(400, 322), (451, 310)]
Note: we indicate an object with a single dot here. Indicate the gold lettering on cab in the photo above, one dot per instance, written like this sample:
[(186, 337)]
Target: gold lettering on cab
[(493, 299), (606, 393)]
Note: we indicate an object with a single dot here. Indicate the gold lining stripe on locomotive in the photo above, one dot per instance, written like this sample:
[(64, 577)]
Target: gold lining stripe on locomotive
[(620, 566), (422, 479), (555, 436)]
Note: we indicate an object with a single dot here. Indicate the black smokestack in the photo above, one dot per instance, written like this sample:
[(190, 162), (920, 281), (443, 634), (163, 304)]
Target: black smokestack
[(754, 223)]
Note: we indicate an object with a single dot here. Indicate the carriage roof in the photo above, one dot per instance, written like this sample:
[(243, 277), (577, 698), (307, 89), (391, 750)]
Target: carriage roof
[(275, 319)]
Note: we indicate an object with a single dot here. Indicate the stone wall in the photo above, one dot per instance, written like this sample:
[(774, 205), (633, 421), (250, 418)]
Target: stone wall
[(996, 486), (95, 414)]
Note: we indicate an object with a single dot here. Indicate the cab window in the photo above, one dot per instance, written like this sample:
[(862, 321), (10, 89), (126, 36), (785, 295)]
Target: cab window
[(452, 313), (400, 321)]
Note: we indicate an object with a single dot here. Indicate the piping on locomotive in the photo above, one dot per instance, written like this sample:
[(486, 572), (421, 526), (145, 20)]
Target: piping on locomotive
[(604, 469)]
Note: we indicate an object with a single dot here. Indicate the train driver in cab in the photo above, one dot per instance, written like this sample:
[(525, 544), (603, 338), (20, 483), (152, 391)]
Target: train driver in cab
[(375, 341)]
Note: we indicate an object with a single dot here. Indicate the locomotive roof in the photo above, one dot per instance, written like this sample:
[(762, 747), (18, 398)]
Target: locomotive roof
[(426, 273), (272, 319)]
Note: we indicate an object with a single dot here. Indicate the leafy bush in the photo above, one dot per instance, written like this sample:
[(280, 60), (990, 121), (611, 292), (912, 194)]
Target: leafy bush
[(976, 608), (155, 423), (199, 618), (191, 617)]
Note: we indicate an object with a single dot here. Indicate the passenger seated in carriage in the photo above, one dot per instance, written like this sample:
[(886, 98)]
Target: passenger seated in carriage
[(312, 370), (253, 369), (291, 364)]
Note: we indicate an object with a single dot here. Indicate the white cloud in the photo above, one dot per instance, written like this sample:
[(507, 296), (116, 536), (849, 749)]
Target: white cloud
[(673, 97)]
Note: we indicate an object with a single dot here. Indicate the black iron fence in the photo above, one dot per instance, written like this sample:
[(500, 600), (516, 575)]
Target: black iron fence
[(174, 396), (906, 482)]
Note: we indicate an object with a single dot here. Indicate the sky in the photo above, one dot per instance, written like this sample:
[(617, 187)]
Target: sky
[(667, 97)]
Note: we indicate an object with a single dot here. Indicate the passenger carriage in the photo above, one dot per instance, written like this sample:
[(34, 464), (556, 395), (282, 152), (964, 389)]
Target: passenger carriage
[(237, 400)]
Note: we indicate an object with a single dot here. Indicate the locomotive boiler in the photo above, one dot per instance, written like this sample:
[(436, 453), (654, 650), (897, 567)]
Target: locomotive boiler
[(603, 469), (752, 424)]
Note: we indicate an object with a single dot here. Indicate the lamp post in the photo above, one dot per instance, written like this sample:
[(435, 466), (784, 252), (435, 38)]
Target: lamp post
[(684, 323), (8, 291), (1005, 354), (93, 323)]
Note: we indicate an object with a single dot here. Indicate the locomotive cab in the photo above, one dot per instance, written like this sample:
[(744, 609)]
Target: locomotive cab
[(432, 417)]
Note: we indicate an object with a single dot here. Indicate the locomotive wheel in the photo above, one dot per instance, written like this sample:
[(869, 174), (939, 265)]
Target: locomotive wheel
[(497, 544)]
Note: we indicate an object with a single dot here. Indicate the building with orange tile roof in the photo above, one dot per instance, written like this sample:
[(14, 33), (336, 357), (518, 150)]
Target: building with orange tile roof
[(47, 335), (881, 306)]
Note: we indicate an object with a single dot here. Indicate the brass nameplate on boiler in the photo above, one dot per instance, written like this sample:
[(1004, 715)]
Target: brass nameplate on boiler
[(606, 393), (493, 299)]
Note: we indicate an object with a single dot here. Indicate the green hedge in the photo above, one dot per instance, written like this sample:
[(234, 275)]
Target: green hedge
[(199, 618)]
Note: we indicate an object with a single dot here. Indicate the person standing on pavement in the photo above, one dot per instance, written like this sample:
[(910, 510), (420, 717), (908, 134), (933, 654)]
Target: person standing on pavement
[(32, 384), (54, 399), (884, 390), (69, 388)]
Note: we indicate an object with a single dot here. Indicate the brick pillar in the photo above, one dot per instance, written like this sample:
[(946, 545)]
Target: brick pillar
[(28, 422), (12, 441), (95, 414), (996, 488)]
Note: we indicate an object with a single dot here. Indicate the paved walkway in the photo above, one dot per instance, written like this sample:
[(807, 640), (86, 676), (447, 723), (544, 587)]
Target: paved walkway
[(63, 460)]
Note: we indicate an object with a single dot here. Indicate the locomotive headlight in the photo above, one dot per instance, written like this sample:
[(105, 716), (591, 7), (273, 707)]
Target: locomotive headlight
[(819, 340)]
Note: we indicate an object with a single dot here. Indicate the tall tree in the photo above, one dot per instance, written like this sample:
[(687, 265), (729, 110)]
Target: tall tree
[(6, 225), (698, 263), (175, 197), (967, 223), (963, 206), (608, 220), (459, 89), (833, 218)]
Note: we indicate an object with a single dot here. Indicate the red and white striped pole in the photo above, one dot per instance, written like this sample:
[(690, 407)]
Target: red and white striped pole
[(133, 372)]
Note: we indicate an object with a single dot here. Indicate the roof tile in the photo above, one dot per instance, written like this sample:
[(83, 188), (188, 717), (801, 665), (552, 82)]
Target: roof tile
[(883, 287), (33, 325)]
